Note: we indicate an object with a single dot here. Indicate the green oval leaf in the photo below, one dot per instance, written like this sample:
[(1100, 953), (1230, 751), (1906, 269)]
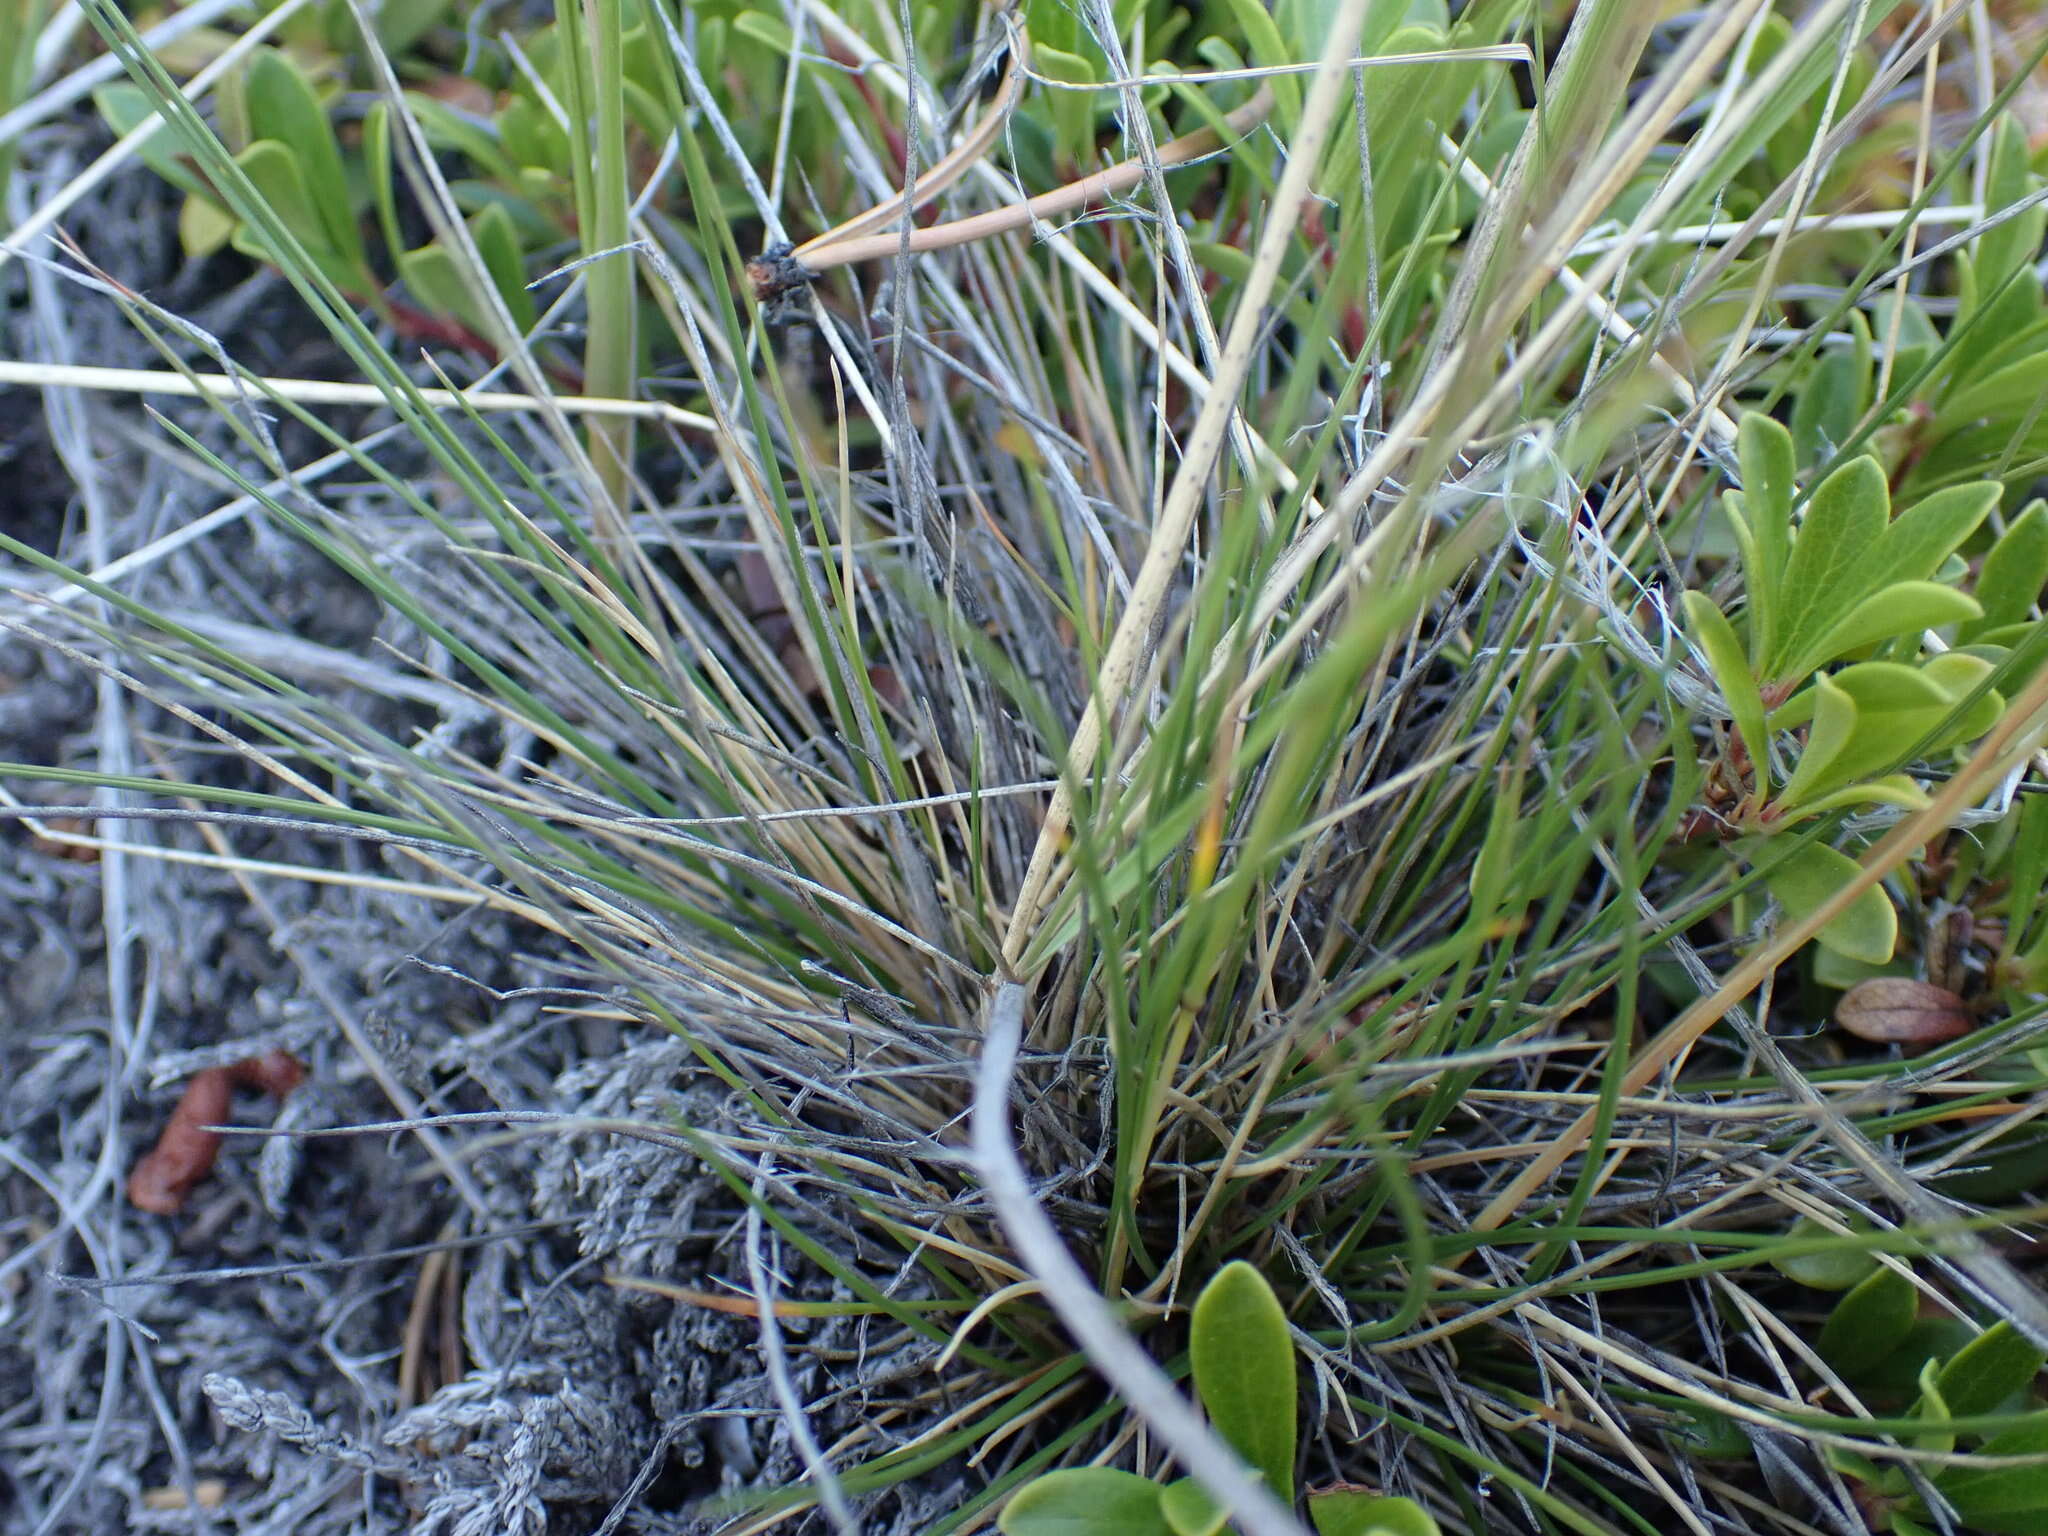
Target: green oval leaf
[(1824, 576), (400, 26), (1833, 713), (1826, 1269), (2010, 1500), (204, 226), (1903, 608), (1959, 674), (1354, 1512), (1930, 530), (2006, 395), (1866, 717), (2013, 574), (2009, 179), (1189, 1509), (377, 166), (1073, 113), (1868, 1323), (497, 242), (1997, 1365), (435, 279), (1759, 606), (1930, 1338), (531, 136), (1244, 1371), (1710, 1433), (275, 173), (168, 151), (1769, 464), (1834, 397), (2006, 445), (283, 109), (1085, 1501), (1709, 628), (2027, 338), (1808, 878)]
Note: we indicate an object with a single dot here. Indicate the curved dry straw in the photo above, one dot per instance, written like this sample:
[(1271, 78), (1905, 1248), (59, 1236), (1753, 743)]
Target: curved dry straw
[(863, 238)]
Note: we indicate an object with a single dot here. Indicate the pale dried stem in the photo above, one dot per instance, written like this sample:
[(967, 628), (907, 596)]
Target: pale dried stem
[(1102, 187), (979, 140), (1184, 497)]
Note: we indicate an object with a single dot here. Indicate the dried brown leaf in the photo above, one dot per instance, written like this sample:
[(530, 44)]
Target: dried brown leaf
[(1898, 1010)]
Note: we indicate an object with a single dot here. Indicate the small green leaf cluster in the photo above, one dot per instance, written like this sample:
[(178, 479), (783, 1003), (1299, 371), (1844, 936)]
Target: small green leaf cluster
[(1056, 133), (283, 136), (1827, 651), (277, 125), (290, 116), (516, 179), (1788, 134), (1937, 1370), (1242, 1358), (330, 25), (1058, 130)]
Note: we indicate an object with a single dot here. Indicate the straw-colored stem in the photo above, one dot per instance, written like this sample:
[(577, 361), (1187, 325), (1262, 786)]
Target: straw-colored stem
[(825, 253)]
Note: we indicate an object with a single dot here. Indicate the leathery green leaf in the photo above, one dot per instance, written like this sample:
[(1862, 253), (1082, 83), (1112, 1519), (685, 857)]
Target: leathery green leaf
[(2012, 1499), (1869, 1322), (1085, 1501), (1715, 636), (1244, 1371), (1769, 467), (2013, 574), (1824, 576), (284, 110), (1833, 713), (1807, 878), (1997, 1365), (1354, 1512), (1189, 1509), (1903, 608), (1926, 533)]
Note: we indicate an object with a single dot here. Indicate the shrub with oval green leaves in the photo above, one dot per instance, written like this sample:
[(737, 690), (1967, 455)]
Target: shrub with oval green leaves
[(1830, 685)]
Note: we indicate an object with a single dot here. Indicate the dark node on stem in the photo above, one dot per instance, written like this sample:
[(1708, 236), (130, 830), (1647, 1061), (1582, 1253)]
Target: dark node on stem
[(776, 273)]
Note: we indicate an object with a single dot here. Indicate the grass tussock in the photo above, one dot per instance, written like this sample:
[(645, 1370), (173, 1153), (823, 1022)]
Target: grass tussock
[(1219, 715)]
